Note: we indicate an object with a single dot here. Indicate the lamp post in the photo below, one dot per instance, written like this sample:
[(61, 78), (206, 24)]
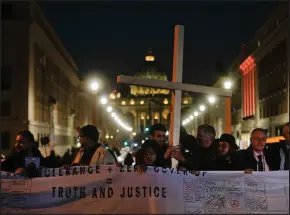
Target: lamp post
[(94, 87), (228, 113), (211, 100)]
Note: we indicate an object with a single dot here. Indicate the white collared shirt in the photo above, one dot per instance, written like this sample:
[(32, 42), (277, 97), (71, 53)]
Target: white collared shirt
[(266, 167)]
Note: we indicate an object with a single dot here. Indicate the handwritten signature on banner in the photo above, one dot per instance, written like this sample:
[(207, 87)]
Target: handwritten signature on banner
[(204, 192)]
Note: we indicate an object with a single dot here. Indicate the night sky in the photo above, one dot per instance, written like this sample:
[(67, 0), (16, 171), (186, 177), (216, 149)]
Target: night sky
[(113, 38)]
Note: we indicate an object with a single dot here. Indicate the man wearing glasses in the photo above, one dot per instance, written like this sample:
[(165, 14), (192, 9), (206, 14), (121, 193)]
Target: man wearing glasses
[(256, 157), (91, 152)]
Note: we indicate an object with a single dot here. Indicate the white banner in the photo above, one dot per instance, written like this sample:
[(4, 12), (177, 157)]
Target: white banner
[(108, 189)]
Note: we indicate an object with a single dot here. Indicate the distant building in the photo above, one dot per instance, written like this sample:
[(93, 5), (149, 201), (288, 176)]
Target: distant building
[(40, 90), (145, 106)]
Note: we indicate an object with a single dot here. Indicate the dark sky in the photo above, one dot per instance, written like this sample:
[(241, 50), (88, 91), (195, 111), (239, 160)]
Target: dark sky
[(114, 38)]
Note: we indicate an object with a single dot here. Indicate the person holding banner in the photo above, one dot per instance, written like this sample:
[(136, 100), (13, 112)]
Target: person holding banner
[(151, 155), (203, 150), (284, 148), (256, 157), (226, 148), (23, 150), (281, 149), (88, 137), (91, 152)]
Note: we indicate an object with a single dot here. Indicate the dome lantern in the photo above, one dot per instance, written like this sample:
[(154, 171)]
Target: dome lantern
[(150, 71), (150, 56)]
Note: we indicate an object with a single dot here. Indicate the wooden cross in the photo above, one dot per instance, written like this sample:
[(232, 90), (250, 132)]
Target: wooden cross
[(177, 86)]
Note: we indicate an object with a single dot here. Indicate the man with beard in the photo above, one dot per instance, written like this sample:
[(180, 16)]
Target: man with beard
[(203, 149), (226, 148), (88, 137), (24, 147), (91, 152)]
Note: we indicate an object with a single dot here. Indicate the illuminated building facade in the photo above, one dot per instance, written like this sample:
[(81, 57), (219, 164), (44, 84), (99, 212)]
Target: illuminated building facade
[(145, 106), (40, 90), (261, 89)]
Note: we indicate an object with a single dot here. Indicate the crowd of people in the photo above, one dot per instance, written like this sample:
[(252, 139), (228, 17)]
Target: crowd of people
[(204, 152)]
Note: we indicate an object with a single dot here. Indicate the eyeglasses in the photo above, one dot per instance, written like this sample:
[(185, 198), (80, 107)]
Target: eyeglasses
[(259, 139)]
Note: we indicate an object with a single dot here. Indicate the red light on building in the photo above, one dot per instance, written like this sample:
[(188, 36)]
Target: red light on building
[(249, 98), (115, 91)]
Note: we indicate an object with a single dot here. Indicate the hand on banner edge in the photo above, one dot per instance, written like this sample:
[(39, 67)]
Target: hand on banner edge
[(248, 171), (141, 169)]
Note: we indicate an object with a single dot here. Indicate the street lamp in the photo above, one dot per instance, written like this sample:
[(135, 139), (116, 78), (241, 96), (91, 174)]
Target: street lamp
[(195, 113), (191, 117), (95, 86), (104, 100), (109, 109), (211, 99), (202, 108), (227, 84)]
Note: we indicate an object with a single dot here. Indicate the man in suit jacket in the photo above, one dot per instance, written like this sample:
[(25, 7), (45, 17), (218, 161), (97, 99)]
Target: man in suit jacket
[(256, 157), (280, 150)]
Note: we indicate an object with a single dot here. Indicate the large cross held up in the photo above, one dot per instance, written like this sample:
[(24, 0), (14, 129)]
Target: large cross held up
[(177, 86)]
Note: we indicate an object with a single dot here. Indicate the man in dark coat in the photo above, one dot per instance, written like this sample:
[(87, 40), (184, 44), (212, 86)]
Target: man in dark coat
[(204, 149), (256, 157), (280, 150), (24, 147), (226, 148)]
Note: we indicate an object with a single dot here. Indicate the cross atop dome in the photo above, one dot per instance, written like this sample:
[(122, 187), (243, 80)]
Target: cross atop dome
[(150, 56)]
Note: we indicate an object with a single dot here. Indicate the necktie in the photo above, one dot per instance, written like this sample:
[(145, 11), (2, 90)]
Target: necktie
[(260, 163)]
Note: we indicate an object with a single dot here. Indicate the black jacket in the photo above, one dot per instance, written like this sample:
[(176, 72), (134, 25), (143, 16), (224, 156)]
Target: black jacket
[(201, 158), (244, 159), (129, 160), (274, 150), (221, 164), (16, 160)]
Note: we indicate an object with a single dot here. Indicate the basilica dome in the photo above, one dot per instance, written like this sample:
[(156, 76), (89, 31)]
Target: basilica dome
[(149, 71)]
